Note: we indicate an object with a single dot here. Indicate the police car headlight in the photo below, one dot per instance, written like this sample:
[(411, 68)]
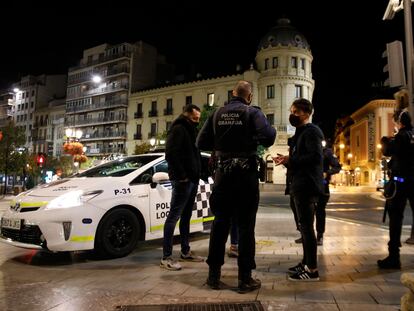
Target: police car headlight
[(72, 199)]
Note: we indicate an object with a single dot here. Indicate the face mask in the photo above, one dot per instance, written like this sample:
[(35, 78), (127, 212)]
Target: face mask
[(294, 120)]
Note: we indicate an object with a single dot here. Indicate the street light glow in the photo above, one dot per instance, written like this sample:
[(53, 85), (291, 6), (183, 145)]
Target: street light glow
[(68, 132), (16, 90), (341, 146), (96, 79), (78, 134), (152, 141)]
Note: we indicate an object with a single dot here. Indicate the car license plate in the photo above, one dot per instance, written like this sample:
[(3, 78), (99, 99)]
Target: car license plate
[(11, 223)]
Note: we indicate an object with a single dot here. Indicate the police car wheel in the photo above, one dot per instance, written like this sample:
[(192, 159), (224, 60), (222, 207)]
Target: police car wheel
[(117, 234)]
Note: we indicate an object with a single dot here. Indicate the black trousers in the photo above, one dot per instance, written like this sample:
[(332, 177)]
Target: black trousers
[(396, 208), (320, 213), (305, 209), (235, 194)]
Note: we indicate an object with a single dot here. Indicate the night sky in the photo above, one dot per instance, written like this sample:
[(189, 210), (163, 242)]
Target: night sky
[(347, 39)]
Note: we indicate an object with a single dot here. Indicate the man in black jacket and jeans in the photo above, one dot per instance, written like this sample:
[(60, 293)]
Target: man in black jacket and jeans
[(304, 163), (184, 166)]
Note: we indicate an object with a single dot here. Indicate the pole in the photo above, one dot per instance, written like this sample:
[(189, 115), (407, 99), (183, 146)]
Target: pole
[(409, 54)]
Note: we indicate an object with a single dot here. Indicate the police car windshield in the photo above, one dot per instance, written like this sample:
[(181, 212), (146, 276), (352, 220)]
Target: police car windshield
[(118, 168)]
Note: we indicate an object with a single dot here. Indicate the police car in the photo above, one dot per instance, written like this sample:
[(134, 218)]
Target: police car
[(108, 208)]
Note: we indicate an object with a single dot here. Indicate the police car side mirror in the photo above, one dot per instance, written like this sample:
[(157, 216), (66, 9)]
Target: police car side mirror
[(158, 178)]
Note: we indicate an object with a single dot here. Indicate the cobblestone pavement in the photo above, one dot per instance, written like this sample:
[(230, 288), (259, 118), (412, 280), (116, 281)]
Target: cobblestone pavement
[(350, 280)]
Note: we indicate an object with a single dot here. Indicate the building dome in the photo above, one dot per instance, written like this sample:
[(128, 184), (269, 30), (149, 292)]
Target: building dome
[(284, 34)]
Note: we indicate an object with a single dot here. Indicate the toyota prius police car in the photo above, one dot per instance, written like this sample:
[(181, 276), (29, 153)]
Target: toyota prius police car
[(108, 208)]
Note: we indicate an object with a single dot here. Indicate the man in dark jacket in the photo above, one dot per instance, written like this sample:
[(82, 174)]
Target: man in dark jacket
[(304, 163), (184, 166), (401, 150), (234, 132)]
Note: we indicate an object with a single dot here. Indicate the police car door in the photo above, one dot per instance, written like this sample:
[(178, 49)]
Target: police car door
[(160, 199)]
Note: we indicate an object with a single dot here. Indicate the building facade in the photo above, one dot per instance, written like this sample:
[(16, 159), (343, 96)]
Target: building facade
[(32, 93), (6, 107), (283, 72), (98, 92)]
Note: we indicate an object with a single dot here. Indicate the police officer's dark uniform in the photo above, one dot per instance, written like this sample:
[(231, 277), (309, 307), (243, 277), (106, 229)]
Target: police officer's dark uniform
[(234, 132), (331, 166), (401, 150)]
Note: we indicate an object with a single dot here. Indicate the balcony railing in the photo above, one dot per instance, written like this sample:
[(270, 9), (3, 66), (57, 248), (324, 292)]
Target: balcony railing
[(152, 113), (109, 72), (138, 115), (168, 112), (138, 136), (114, 119), (105, 150), (97, 106), (103, 135), (107, 89), (101, 60)]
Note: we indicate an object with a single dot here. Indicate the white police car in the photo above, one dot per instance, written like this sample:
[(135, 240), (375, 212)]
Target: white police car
[(108, 208)]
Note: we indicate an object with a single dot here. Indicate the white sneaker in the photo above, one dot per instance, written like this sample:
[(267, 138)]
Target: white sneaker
[(190, 256), (170, 264)]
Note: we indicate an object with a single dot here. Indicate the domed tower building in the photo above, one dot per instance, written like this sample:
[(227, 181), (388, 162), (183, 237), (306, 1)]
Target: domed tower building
[(284, 63)]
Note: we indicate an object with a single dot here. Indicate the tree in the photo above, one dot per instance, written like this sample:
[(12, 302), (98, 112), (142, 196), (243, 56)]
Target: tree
[(12, 160), (205, 113), (142, 148)]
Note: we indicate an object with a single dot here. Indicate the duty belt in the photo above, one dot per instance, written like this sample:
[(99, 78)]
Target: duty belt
[(233, 164)]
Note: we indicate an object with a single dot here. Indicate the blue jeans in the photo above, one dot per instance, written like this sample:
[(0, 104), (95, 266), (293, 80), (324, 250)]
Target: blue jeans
[(182, 202)]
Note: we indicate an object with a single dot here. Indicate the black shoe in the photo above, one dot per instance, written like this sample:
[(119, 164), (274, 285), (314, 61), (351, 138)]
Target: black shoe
[(298, 268), (213, 280), (389, 263), (246, 286), (319, 241), (299, 241), (305, 276)]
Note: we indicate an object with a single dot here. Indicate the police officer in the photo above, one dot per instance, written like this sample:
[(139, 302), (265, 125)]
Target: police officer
[(401, 150), (233, 132), (331, 166)]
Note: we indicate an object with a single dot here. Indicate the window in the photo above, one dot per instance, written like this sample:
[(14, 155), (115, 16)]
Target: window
[(153, 129), (26, 105), (33, 92), (294, 62), (266, 63), (302, 63), (275, 62), (169, 104), (188, 100), (139, 108), (154, 106), (271, 118), (31, 104), (210, 99), (270, 91), (139, 127), (229, 95), (168, 125), (298, 91)]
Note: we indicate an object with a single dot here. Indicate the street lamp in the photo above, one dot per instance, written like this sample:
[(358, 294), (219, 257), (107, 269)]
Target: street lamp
[(341, 146), (96, 79), (152, 141)]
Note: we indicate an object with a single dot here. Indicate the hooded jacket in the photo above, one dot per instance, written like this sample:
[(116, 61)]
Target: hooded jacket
[(181, 153)]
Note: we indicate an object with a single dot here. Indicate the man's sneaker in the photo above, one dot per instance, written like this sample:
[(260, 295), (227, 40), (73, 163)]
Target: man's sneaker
[(389, 263), (305, 276), (319, 241), (298, 268), (298, 241), (170, 264), (191, 257), (233, 251)]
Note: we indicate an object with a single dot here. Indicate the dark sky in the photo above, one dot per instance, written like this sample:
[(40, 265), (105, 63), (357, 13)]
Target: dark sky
[(347, 39)]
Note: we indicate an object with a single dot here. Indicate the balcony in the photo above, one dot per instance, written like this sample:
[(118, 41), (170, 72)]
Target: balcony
[(137, 136), (92, 121), (152, 113), (138, 115), (98, 106), (168, 111), (104, 150), (101, 60), (104, 135), (107, 89)]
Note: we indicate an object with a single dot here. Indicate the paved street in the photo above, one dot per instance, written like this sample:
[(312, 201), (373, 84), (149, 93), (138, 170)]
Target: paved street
[(350, 279)]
